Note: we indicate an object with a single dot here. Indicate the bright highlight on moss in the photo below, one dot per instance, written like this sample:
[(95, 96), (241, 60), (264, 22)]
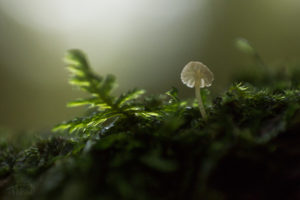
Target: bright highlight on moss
[(196, 74)]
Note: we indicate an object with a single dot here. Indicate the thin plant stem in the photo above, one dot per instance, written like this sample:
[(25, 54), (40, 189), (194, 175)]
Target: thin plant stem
[(199, 99)]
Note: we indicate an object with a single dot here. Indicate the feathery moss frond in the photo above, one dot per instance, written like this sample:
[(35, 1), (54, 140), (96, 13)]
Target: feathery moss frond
[(100, 88), (129, 96)]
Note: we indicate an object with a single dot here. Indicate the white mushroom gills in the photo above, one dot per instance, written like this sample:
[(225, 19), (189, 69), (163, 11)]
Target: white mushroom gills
[(196, 74)]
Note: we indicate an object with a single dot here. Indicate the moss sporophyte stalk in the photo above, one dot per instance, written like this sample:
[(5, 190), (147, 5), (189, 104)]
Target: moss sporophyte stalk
[(196, 74)]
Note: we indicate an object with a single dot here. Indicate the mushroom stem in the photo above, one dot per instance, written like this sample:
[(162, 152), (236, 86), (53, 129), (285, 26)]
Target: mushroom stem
[(200, 103)]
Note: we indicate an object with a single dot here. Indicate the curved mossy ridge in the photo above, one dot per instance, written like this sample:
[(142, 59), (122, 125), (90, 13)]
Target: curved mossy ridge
[(248, 142), (159, 148), (103, 105)]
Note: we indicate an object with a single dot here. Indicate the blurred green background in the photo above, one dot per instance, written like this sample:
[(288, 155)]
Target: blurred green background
[(145, 43)]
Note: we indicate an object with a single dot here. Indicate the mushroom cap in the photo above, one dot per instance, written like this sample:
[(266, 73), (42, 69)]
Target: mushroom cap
[(196, 71)]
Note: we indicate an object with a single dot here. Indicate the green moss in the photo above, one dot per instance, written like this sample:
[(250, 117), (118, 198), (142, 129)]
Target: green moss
[(158, 147)]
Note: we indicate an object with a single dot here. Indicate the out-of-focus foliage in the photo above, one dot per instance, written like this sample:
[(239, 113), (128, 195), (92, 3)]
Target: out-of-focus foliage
[(261, 74), (159, 147)]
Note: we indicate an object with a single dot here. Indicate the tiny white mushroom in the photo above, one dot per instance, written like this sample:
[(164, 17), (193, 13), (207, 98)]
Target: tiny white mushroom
[(196, 74)]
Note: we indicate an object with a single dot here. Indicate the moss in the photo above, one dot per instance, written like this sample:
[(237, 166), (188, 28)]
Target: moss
[(159, 147)]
